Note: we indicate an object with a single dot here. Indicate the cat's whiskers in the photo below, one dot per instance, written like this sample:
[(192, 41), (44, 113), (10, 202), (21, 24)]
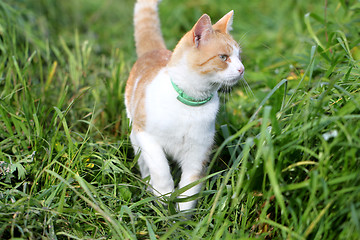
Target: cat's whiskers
[(247, 87), (229, 95), (241, 39)]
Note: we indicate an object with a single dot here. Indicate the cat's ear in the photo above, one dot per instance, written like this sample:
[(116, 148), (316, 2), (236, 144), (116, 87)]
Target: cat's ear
[(224, 24), (202, 29)]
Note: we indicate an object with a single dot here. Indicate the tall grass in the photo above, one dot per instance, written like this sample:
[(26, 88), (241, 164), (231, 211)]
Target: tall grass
[(287, 155)]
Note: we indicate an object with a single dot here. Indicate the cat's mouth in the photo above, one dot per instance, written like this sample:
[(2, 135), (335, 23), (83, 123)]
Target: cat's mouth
[(227, 86), (232, 81)]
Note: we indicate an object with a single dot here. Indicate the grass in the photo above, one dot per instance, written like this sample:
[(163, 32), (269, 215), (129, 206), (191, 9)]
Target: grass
[(287, 155)]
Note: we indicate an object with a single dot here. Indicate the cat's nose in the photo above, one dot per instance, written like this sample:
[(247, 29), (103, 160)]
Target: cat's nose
[(241, 70)]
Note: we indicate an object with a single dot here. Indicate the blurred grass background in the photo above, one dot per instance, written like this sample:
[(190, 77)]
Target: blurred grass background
[(286, 161)]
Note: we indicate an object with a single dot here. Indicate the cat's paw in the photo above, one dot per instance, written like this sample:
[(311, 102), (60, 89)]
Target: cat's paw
[(186, 206)]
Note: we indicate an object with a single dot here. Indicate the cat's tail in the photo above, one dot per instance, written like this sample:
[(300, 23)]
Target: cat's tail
[(148, 35)]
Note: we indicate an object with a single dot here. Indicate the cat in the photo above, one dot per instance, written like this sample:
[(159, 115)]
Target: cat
[(171, 97)]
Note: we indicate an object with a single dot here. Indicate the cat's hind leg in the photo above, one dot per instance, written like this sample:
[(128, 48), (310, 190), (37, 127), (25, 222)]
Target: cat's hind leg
[(144, 170)]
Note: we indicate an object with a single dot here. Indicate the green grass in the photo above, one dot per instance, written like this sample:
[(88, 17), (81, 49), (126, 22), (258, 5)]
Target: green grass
[(287, 159)]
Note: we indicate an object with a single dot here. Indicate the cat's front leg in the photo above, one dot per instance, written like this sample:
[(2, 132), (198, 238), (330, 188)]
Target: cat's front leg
[(193, 168), (153, 162), (186, 179)]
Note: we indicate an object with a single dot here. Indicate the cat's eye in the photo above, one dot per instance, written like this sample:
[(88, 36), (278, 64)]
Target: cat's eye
[(223, 57)]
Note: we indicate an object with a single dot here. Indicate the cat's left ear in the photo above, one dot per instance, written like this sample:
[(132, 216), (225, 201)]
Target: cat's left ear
[(225, 23), (202, 30)]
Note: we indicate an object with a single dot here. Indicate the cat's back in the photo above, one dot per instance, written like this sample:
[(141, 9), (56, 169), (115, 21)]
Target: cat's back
[(150, 63), (142, 73)]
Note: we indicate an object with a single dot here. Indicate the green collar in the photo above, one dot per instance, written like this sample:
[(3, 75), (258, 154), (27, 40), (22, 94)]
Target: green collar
[(187, 100)]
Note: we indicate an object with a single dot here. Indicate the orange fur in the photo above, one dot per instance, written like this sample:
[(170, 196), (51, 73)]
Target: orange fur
[(142, 73), (224, 24), (148, 35)]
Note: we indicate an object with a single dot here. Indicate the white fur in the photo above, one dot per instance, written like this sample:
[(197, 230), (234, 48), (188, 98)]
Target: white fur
[(185, 133)]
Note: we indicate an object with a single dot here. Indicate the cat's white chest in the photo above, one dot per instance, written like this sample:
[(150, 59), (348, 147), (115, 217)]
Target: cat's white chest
[(178, 127)]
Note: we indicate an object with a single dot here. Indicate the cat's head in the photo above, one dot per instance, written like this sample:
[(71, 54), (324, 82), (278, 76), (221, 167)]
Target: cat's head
[(210, 52)]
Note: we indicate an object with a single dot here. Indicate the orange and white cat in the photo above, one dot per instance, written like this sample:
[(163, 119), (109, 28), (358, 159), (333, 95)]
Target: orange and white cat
[(171, 97)]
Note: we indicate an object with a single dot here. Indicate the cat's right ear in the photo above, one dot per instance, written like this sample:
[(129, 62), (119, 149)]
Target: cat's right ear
[(202, 30), (224, 24)]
